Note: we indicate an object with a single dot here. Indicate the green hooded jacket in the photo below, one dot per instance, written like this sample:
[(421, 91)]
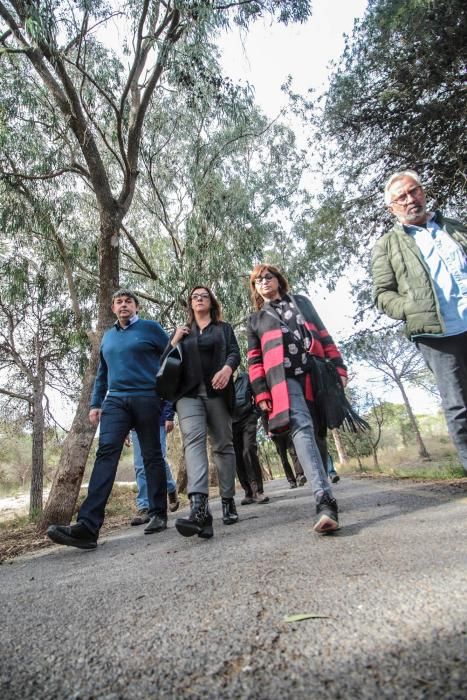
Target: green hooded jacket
[(402, 285)]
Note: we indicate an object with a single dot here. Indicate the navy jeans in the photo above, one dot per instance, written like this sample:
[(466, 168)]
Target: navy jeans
[(447, 359), (119, 415)]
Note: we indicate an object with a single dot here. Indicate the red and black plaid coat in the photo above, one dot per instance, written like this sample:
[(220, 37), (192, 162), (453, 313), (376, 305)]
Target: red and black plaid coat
[(266, 358)]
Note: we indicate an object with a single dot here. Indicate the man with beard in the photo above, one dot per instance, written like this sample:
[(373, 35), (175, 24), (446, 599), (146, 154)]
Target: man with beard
[(420, 277)]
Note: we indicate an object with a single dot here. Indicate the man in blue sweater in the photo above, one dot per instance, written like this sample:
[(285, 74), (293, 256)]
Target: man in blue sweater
[(124, 397)]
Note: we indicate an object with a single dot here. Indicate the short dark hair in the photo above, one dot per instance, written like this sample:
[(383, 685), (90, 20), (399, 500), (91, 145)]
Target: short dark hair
[(125, 293), (259, 270), (216, 310)]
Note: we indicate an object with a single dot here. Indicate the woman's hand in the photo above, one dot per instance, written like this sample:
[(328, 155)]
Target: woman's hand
[(265, 405), (179, 334), (221, 378)]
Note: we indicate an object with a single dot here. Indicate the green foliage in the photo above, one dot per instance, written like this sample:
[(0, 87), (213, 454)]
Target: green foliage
[(395, 101)]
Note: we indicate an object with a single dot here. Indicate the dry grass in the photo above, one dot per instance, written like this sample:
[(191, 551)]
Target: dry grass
[(19, 536)]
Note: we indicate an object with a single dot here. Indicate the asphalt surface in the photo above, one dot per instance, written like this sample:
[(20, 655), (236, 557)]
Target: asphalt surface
[(162, 616)]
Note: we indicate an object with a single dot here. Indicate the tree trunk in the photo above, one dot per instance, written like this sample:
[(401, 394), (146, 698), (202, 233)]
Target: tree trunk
[(182, 476), (340, 447), (69, 475), (37, 461), (422, 451), (375, 458)]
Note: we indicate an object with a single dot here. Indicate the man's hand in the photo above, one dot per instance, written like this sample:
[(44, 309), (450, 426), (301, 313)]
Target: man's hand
[(345, 381), (169, 426), (221, 378), (95, 416)]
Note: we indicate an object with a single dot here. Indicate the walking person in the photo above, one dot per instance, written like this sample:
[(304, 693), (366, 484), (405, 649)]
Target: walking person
[(204, 404), (124, 397), (142, 502), (283, 335), (244, 426), (419, 272)]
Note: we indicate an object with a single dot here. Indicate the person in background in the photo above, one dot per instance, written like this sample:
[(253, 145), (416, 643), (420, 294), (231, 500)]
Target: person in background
[(284, 446), (419, 271), (283, 335), (142, 502), (244, 426), (124, 397), (204, 404), (331, 471)]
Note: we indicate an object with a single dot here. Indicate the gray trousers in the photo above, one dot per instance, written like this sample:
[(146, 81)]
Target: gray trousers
[(196, 417), (447, 359)]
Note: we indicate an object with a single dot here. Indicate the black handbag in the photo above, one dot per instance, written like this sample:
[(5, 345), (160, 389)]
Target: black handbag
[(169, 374)]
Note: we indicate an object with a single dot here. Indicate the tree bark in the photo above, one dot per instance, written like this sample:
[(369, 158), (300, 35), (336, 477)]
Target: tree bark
[(340, 447), (37, 461), (422, 451), (69, 475)]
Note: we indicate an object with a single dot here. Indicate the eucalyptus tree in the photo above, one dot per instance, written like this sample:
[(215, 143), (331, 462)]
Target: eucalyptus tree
[(36, 350), (218, 184), (94, 102), (396, 99), (392, 355)]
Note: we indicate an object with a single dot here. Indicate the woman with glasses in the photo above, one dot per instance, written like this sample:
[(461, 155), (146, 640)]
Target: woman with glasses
[(205, 403), (283, 333)]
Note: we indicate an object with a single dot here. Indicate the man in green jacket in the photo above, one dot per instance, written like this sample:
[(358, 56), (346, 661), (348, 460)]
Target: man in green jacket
[(420, 277)]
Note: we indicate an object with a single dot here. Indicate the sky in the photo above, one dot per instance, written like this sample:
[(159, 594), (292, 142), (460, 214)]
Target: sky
[(264, 57)]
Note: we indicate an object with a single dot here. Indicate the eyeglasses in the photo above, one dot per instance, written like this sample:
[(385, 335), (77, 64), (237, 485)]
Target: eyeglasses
[(404, 197), (264, 278), (199, 297)]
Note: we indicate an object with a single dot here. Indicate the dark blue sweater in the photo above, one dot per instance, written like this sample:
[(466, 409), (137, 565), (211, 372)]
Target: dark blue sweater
[(129, 360)]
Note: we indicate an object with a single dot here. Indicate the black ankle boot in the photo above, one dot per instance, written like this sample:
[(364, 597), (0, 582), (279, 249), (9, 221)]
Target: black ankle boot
[(199, 522), (229, 511)]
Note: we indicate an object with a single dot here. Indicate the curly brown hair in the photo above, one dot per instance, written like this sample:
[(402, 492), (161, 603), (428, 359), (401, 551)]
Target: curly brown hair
[(216, 309), (258, 271)]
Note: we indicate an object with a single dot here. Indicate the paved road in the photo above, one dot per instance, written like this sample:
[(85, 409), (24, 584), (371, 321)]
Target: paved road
[(165, 617)]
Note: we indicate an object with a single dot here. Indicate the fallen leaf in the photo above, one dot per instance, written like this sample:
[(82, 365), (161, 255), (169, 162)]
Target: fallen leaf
[(304, 616)]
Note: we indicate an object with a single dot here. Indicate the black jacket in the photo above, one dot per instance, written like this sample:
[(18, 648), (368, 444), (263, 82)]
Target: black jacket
[(226, 353)]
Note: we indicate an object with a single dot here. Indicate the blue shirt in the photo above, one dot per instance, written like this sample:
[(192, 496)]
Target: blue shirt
[(447, 265), (129, 360)]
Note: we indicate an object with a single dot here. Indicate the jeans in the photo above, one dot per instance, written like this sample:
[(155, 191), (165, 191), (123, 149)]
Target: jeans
[(303, 436), (142, 502), (196, 417), (119, 415), (330, 467), (447, 359), (246, 454)]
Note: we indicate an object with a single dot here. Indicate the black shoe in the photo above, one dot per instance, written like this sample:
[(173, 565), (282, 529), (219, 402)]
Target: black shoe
[(77, 535), (229, 511), (292, 484), (335, 478), (327, 520), (156, 524), (301, 480), (141, 517), (199, 522), (174, 502)]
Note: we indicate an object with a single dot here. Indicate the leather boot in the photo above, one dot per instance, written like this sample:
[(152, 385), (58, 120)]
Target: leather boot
[(199, 522), (229, 511)]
